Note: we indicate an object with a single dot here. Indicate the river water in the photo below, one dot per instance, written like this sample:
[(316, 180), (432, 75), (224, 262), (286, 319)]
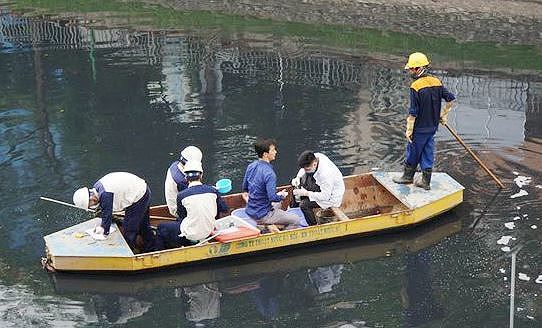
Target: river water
[(78, 101)]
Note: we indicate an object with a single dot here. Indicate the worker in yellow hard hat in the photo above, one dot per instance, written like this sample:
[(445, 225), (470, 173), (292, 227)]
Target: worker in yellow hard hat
[(424, 115)]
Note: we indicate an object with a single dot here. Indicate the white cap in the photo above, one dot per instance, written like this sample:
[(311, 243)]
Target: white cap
[(193, 166), (81, 198), (191, 153)]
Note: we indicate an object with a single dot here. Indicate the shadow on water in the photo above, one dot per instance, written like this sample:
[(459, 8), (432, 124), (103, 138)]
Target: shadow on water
[(78, 101)]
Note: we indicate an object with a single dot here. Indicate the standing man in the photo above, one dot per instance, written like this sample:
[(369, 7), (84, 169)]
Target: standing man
[(198, 207), (260, 189), (120, 191), (175, 177), (424, 114), (319, 183)]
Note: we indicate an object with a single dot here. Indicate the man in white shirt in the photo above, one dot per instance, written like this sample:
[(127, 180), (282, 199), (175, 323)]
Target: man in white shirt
[(176, 178), (120, 191), (198, 207), (319, 184)]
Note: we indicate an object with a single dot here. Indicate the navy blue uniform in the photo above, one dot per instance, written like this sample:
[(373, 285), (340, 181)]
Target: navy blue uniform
[(426, 95)]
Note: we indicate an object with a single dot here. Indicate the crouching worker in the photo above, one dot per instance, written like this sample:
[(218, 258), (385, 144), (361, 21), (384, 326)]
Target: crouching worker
[(318, 184), (198, 207), (120, 191)]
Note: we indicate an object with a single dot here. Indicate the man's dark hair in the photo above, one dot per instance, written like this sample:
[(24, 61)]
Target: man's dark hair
[(306, 158), (193, 176), (262, 146)]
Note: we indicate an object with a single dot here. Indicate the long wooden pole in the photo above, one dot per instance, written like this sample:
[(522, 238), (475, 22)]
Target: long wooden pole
[(467, 148), (65, 204)]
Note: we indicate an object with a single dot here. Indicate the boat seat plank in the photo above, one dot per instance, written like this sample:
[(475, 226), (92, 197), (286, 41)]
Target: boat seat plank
[(414, 197), (65, 242)]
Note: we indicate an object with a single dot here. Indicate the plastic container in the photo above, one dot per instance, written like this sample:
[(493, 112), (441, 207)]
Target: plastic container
[(223, 186)]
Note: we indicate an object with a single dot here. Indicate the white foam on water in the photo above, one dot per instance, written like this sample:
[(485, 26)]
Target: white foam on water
[(520, 193), (525, 215), (539, 186), (510, 225), (502, 270), (523, 276), (505, 249), (516, 218), (518, 207), (539, 279), (522, 181), (504, 240), (534, 226)]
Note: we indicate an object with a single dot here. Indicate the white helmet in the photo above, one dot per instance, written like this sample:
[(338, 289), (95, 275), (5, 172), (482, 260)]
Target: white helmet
[(193, 166), (81, 198), (191, 153)]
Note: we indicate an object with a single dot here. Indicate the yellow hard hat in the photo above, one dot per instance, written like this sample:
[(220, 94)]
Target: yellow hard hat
[(417, 59)]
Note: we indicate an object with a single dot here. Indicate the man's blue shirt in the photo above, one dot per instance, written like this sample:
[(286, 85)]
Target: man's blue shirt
[(260, 182), (426, 95)]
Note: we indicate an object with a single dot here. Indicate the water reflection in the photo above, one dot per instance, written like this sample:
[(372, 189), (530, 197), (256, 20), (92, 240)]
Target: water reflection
[(77, 101)]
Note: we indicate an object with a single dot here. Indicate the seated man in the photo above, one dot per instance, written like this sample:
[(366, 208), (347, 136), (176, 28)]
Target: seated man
[(175, 177), (197, 209), (319, 184), (120, 191), (260, 189)]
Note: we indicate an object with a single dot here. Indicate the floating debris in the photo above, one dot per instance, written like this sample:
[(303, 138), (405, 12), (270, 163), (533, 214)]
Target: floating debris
[(502, 270), (515, 173), (534, 226), (504, 240), (505, 278), (516, 218), (539, 279), (523, 276), (529, 317), (510, 225), (505, 249), (539, 186), (522, 181), (525, 215), (522, 192)]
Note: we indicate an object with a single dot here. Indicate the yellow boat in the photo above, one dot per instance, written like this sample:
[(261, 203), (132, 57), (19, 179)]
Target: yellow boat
[(372, 203), (248, 269)]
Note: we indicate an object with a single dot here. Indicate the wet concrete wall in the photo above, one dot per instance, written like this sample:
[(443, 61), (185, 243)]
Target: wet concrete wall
[(508, 21)]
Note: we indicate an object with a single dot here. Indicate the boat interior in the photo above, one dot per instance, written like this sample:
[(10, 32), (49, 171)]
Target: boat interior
[(364, 196)]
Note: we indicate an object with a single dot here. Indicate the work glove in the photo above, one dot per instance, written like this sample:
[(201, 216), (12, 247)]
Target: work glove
[(301, 192), (282, 193), (296, 182), (444, 113), (409, 127)]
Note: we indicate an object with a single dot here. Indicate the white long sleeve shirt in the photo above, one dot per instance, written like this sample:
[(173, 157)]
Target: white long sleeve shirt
[(331, 183)]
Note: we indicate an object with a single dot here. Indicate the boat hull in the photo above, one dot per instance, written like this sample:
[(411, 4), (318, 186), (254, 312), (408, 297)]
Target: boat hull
[(365, 193)]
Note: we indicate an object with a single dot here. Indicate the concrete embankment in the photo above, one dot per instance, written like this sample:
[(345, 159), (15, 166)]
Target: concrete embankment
[(505, 21)]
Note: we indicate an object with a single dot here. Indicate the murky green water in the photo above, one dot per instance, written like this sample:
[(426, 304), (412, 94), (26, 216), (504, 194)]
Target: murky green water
[(78, 101)]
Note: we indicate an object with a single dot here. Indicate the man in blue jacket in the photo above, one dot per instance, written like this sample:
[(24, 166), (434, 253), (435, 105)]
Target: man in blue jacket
[(260, 189), (424, 115)]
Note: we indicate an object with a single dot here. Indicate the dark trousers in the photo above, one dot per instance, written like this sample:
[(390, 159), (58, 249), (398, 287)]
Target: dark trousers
[(421, 150), (167, 236), (305, 204), (136, 221)]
